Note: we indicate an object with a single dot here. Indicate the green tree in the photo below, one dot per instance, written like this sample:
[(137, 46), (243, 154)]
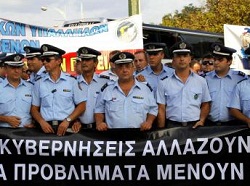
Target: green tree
[(210, 17)]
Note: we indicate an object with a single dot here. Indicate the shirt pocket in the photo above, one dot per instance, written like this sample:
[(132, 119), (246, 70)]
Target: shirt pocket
[(114, 105), (138, 105), (26, 100), (6, 104), (246, 102), (46, 100), (213, 92), (171, 98), (195, 95)]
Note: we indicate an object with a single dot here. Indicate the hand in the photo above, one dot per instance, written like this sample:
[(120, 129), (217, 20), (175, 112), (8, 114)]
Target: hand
[(46, 127), (146, 126), (14, 121), (140, 78), (198, 123), (101, 126), (76, 126), (61, 130)]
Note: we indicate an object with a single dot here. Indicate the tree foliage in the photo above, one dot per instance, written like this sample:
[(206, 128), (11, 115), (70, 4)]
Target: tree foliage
[(212, 16)]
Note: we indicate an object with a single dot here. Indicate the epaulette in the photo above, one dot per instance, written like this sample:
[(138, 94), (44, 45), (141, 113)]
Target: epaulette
[(149, 87), (2, 77), (240, 73), (242, 80), (69, 75), (104, 76), (40, 77), (203, 75), (104, 86), (30, 82), (164, 77)]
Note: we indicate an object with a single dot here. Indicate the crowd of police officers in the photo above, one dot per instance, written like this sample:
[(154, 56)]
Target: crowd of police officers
[(152, 96)]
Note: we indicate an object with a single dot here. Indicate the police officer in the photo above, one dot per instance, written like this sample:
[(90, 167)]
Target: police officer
[(57, 98), (90, 82), (183, 97), (111, 72), (221, 83), (126, 103), (15, 95), (34, 63), (156, 70), (2, 69), (239, 104)]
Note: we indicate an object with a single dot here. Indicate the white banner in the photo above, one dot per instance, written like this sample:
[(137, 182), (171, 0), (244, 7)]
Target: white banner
[(122, 34), (238, 37)]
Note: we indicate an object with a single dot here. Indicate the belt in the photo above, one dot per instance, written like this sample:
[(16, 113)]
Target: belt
[(219, 123), (54, 122), (88, 126), (183, 124)]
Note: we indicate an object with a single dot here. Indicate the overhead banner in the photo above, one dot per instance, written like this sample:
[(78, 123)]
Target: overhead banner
[(122, 34), (238, 37), (216, 155)]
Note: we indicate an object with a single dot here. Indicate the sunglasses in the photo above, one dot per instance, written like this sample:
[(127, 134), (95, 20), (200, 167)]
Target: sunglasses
[(207, 62), (47, 59), (153, 53)]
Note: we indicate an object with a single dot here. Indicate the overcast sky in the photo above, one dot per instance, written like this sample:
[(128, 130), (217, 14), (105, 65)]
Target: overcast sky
[(29, 11)]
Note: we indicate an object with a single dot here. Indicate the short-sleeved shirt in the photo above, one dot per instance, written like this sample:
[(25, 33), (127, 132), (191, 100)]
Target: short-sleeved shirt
[(112, 76), (220, 89), (16, 101), (240, 98), (34, 76), (57, 100), (92, 90), (183, 100), (129, 111), (153, 79)]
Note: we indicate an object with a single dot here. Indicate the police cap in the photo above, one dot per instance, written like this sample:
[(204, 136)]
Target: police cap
[(32, 51), (222, 51), (87, 53), (14, 60), (49, 50), (122, 57), (2, 55), (154, 47), (181, 47)]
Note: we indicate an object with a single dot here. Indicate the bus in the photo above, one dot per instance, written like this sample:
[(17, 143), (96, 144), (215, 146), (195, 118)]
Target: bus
[(200, 40)]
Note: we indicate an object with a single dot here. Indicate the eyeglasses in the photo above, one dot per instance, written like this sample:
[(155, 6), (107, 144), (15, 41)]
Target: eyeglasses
[(207, 62), (47, 59)]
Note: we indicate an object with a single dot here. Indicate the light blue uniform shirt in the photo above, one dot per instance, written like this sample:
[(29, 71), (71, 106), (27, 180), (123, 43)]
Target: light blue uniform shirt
[(240, 99), (153, 79), (123, 111), (92, 90), (183, 100), (110, 74), (220, 89), (41, 73), (16, 101), (57, 100)]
